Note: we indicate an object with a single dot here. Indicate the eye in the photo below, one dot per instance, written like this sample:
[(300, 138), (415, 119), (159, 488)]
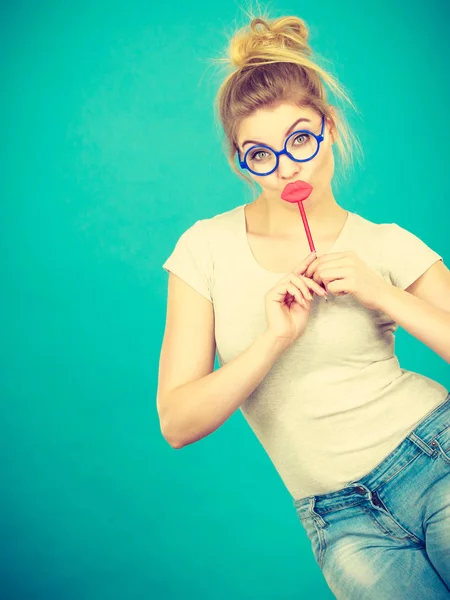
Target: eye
[(304, 135), (254, 154)]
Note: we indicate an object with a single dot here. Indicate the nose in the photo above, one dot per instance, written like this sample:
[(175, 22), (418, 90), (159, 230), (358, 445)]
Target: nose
[(287, 168)]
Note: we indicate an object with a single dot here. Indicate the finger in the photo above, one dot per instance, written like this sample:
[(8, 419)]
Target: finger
[(316, 277), (292, 289), (319, 288), (313, 275), (284, 288), (311, 269), (309, 283), (301, 285), (305, 263), (330, 260), (338, 287)]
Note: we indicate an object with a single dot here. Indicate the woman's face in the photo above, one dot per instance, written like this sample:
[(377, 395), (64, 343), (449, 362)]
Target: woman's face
[(269, 127)]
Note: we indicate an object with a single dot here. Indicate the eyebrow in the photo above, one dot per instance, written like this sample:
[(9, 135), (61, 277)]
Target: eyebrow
[(291, 128)]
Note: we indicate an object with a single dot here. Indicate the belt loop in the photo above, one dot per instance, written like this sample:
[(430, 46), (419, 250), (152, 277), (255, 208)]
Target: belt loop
[(429, 450), (315, 515)]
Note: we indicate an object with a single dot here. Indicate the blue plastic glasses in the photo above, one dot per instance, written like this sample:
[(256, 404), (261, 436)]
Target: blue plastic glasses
[(302, 152)]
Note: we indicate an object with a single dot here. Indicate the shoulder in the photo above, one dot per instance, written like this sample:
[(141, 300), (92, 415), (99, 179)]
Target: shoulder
[(366, 233), (209, 233), (367, 225), (403, 254), (222, 225), (380, 232)]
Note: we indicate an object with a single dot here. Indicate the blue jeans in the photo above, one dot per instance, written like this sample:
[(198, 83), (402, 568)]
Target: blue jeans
[(387, 536)]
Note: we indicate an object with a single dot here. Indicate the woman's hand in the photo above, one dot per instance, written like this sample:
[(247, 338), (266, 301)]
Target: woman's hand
[(288, 303), (346, 273)]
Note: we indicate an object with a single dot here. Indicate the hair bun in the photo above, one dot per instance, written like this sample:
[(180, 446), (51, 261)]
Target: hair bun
[(267, 37)]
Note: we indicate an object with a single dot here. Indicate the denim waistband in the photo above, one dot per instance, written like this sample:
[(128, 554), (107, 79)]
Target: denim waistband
[(419, 440)]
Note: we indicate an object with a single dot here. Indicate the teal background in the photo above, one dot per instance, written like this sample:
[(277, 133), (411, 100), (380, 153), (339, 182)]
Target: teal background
[(109, 149)]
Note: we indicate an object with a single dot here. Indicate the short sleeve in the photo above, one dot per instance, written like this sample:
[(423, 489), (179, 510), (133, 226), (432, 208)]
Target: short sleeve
[(406, 257), (191, 260)]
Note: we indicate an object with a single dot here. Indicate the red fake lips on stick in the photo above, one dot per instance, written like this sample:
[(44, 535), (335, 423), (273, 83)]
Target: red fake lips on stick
[(298, 192)]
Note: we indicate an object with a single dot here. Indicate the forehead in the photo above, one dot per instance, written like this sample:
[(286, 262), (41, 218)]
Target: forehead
[(271, 121)]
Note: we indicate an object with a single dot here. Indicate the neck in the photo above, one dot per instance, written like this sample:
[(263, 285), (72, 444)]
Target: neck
[(279, 218)]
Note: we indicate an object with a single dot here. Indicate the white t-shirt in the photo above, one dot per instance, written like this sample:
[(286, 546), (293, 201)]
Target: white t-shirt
[(337, 402)]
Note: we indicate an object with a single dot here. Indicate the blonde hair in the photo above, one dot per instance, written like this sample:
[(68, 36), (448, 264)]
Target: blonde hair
[(272, 65)]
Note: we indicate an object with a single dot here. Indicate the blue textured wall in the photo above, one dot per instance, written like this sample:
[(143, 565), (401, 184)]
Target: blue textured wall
[(108, 152)]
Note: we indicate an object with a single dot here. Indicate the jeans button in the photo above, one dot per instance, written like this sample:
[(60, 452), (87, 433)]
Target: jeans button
[(360, 490), (376, 500)]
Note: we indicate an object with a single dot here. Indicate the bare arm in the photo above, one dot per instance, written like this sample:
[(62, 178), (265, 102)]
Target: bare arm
[(196, 409), (428, 323)]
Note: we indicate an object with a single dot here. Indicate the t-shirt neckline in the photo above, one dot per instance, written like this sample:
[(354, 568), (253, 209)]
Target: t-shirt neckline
[(251, 257)]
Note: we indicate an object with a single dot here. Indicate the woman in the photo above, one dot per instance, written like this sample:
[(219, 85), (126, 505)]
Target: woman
[(362, 445)]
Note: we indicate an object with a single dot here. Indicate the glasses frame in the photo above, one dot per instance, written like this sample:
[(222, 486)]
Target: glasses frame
[(243, 163)]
